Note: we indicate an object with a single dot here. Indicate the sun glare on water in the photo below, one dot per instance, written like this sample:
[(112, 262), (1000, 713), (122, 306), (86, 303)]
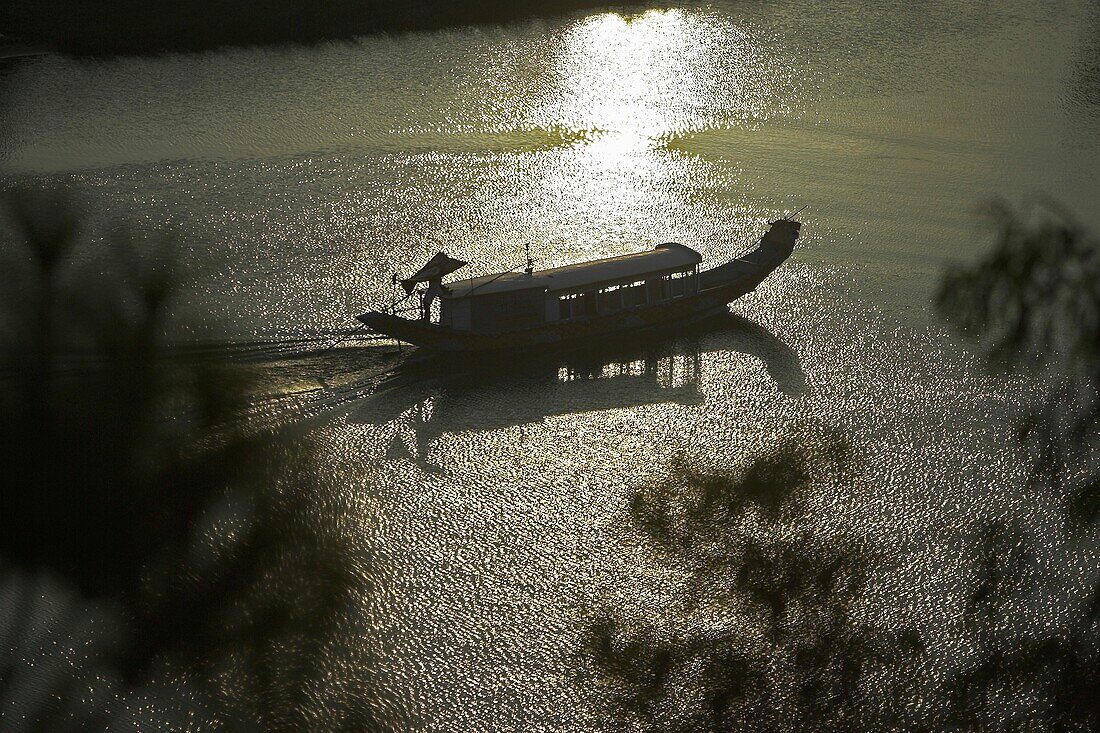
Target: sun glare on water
[(631, 84), (636, 79)]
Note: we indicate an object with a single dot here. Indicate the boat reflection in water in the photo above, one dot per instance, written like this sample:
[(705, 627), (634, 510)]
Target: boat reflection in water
[(434, 399)]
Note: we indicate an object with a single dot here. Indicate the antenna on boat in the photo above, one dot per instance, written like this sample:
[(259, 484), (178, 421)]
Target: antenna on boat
[(530, 263), (790, 217), (393, 282)]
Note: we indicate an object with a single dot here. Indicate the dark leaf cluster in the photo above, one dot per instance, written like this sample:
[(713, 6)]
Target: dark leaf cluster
[(132, 480), (767, 630)]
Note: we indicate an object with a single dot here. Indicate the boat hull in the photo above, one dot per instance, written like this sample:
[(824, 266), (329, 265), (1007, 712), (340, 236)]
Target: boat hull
[(441, 338)]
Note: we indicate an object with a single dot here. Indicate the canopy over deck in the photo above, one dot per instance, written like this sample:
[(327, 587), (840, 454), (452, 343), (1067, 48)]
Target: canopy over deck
[(439, 265), (663, 259)]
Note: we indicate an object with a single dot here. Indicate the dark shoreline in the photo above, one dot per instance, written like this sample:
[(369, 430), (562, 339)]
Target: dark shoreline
[(137, 28)]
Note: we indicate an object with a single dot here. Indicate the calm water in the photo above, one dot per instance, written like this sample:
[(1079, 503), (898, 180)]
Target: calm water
[(297, 180)]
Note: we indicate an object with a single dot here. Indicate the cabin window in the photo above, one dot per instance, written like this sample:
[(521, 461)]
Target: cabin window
[(590, 305), (678, 283), (662, 288), (634, 294), (576, 305), (569, 306), (611, 299)]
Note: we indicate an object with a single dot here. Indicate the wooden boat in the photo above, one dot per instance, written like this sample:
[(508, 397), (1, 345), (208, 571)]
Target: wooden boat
[(523, 310)]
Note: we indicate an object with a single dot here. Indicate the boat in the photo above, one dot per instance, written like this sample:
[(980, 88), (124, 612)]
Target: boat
[(584, 301)]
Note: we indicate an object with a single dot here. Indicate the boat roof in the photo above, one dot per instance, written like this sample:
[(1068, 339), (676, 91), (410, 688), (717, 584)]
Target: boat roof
[(664, 258)]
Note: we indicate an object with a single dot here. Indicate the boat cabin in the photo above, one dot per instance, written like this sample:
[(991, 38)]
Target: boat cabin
[(522, 300)]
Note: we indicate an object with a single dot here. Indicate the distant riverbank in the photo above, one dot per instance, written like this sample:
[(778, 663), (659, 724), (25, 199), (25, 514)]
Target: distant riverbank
[(133, 27)]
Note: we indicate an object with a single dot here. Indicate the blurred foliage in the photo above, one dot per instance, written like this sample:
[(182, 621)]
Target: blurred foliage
[(764, 633), (766, 630), (1033, 308), (1015, 678), (130, 477)]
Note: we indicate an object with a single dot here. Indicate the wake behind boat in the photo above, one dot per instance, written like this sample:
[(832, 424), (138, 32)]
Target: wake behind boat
[(588, 300)]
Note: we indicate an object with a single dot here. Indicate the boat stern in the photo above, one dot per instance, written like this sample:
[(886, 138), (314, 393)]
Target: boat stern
[(419, 333)]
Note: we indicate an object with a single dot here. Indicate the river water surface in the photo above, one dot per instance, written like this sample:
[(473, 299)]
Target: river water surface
[(296, 180)]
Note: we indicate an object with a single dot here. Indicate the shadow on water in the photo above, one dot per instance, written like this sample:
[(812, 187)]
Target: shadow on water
[(441, 396)]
